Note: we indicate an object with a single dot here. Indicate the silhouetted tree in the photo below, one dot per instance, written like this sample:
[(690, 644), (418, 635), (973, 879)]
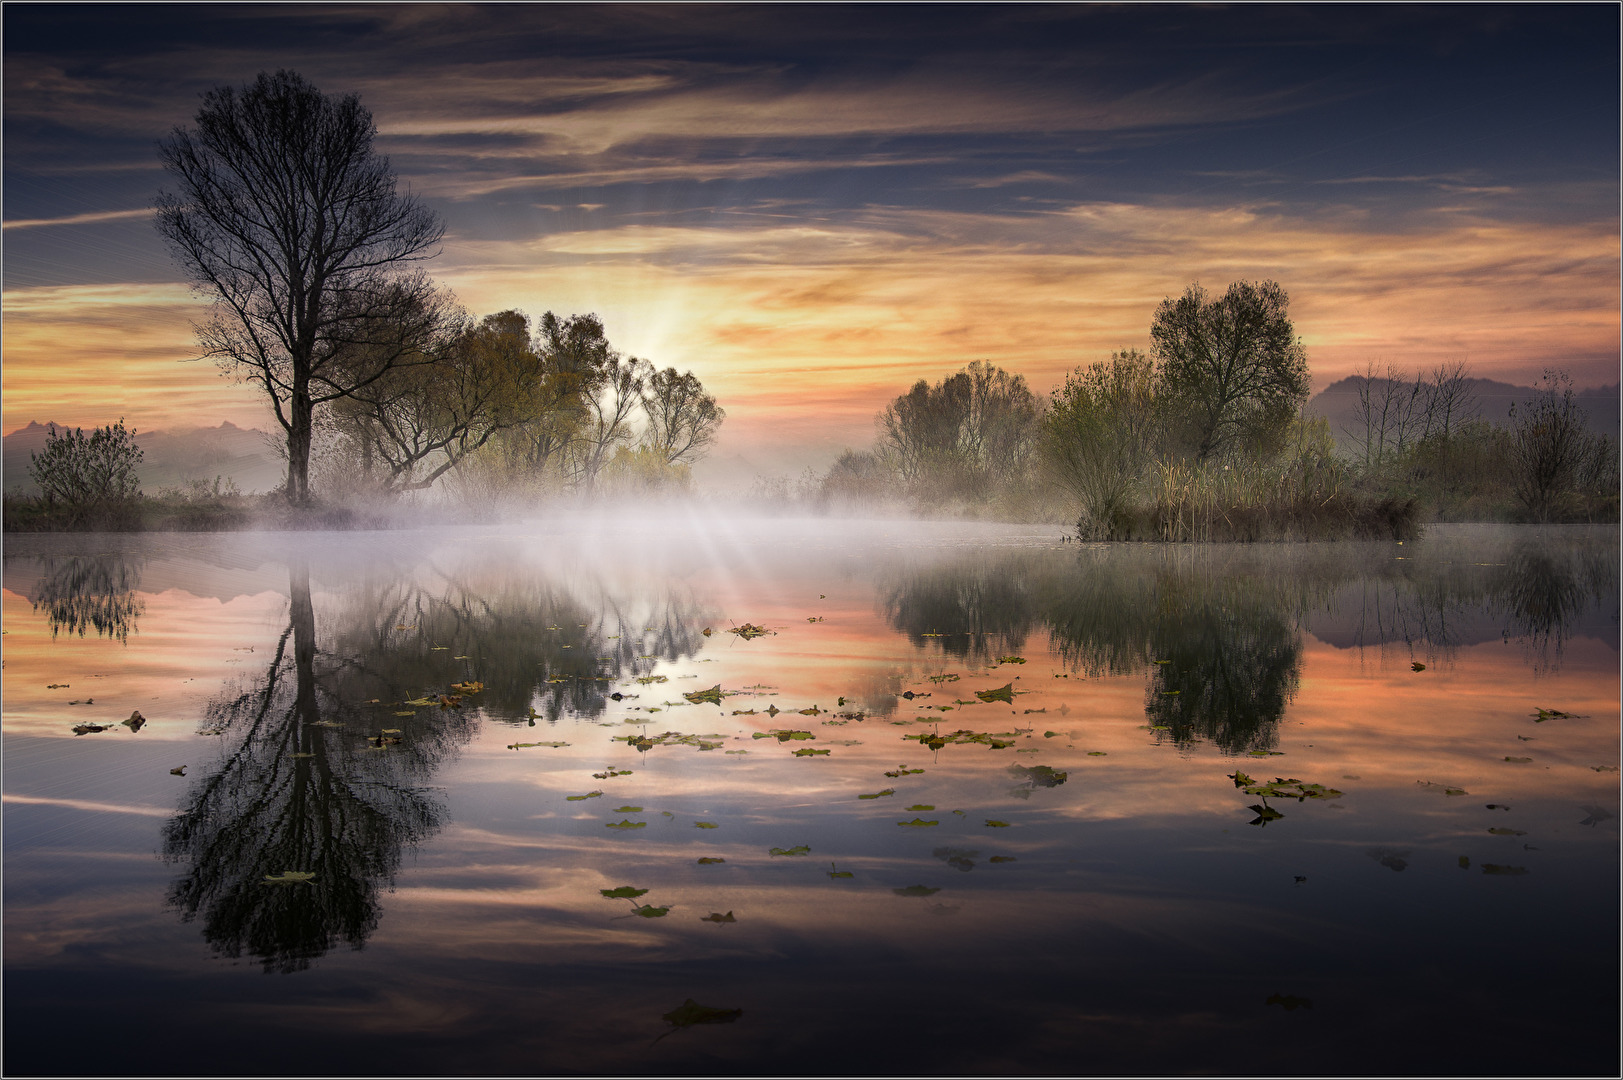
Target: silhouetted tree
[(1233, 364), (285, 216)]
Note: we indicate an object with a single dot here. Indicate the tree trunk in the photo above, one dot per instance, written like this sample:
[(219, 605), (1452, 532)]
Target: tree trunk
[(300, 413)]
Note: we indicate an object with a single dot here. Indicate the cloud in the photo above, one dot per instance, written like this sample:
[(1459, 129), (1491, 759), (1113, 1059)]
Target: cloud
[(79, 219)]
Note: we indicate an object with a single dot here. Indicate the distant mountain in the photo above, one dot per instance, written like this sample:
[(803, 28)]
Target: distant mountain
[(1338, 403), (245, 456)]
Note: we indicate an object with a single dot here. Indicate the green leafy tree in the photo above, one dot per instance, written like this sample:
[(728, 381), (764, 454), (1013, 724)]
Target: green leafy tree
[(1233, 365), (285, 216), (1099, 436), (87, 475)]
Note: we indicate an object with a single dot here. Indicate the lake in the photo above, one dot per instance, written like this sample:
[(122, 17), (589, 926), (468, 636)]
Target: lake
[(680, 795)]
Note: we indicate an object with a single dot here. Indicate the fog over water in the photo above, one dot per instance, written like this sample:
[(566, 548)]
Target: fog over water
[(972, 799)]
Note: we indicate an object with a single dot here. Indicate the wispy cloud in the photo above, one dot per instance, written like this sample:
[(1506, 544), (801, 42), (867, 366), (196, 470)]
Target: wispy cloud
[(79, 219)]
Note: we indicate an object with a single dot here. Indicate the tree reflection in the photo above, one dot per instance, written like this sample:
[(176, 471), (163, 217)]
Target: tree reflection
[(78, 592), (309, 786), (326, 757), (971, 609)]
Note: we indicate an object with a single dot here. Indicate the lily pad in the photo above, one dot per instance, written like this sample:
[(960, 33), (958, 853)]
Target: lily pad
[(705, 825), (807, 751), (921, 806), (578, 798), (628, 809), (624, 892)]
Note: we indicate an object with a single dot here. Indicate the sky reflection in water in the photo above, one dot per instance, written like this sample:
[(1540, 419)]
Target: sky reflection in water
[(1138, 913)]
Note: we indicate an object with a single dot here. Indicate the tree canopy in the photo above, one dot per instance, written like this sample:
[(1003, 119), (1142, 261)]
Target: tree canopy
[(286, 217)]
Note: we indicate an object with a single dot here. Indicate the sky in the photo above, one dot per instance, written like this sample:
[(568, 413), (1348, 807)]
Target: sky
[(811, 207)]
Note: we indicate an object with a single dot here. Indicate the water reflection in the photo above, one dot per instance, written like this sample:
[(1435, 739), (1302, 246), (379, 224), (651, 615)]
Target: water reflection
[(1218, 630), (78, 592), (321, 787)]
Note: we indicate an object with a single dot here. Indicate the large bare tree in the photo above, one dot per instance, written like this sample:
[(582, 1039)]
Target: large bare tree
[(285, 216)]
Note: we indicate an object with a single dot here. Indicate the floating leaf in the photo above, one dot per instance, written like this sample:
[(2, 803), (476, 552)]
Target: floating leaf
[(1011, 659), (916, 890), (917, 823), (1097, 753), (813, 711), (1039, 775), (1553, 714), (1240, 779), (408, 712), (135, 722), (1417, 666), (467, 687), (628, 809), (717, 917), (1001, 858), (90, 729), (1519, 760), (993, 824), (1004, 693), (799, 849), (1289, 1001), (649, 911), (710, 861), (691, 1012), (1507, 832), (711, 696), (749, 630), (1465, 862), (705, 825), (420, 702), (578, 798), (921, 806), (289, 877), (624, 892), (1282, 788), (627, 824), (1265, 814), (944, 678), (1503, 871), (879, 794), (807, 751), (899, 771), (522, 745), (838, 873), (181, 771)]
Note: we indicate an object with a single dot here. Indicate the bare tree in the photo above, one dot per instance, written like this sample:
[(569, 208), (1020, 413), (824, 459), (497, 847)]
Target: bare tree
[(607, 419), (682, 418), (1548, 444), (290, 222)]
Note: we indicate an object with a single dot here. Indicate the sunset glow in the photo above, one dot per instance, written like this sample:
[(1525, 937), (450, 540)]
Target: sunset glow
[(812, 207)]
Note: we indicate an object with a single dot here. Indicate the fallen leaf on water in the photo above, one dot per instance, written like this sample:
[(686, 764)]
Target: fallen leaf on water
[(916, 890), (717, 917), (991, 824), (1289, 1001), (690, 1012), (710, 861), (1265, 814), (1011, 659), (135, 722), (628, 809), (838, 873), (624, 892), (578, 798), (522, 745), (1553, 714), (420, 702), (878, 794), (799, 849), (749, 630), (58, 686), (1503, 871), (921, 806), (1519, 760), (705, 825), (807, 751), (289, 877), (1001, 858), (627, 824), (178, 772), (1097, 753), (1004, 693), (90, 729), (1417, 666), (649, 911), (711, 696), (917, 823)]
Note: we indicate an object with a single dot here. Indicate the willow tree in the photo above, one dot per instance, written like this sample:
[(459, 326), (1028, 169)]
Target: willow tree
[(286, 218)]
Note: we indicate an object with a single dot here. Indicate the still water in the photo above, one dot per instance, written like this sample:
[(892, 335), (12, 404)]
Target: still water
[(976, 801)]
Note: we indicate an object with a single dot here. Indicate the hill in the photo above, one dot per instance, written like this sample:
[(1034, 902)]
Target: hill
[(245, 456)]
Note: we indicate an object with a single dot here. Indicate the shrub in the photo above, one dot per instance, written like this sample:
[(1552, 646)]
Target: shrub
[(88, 476)]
